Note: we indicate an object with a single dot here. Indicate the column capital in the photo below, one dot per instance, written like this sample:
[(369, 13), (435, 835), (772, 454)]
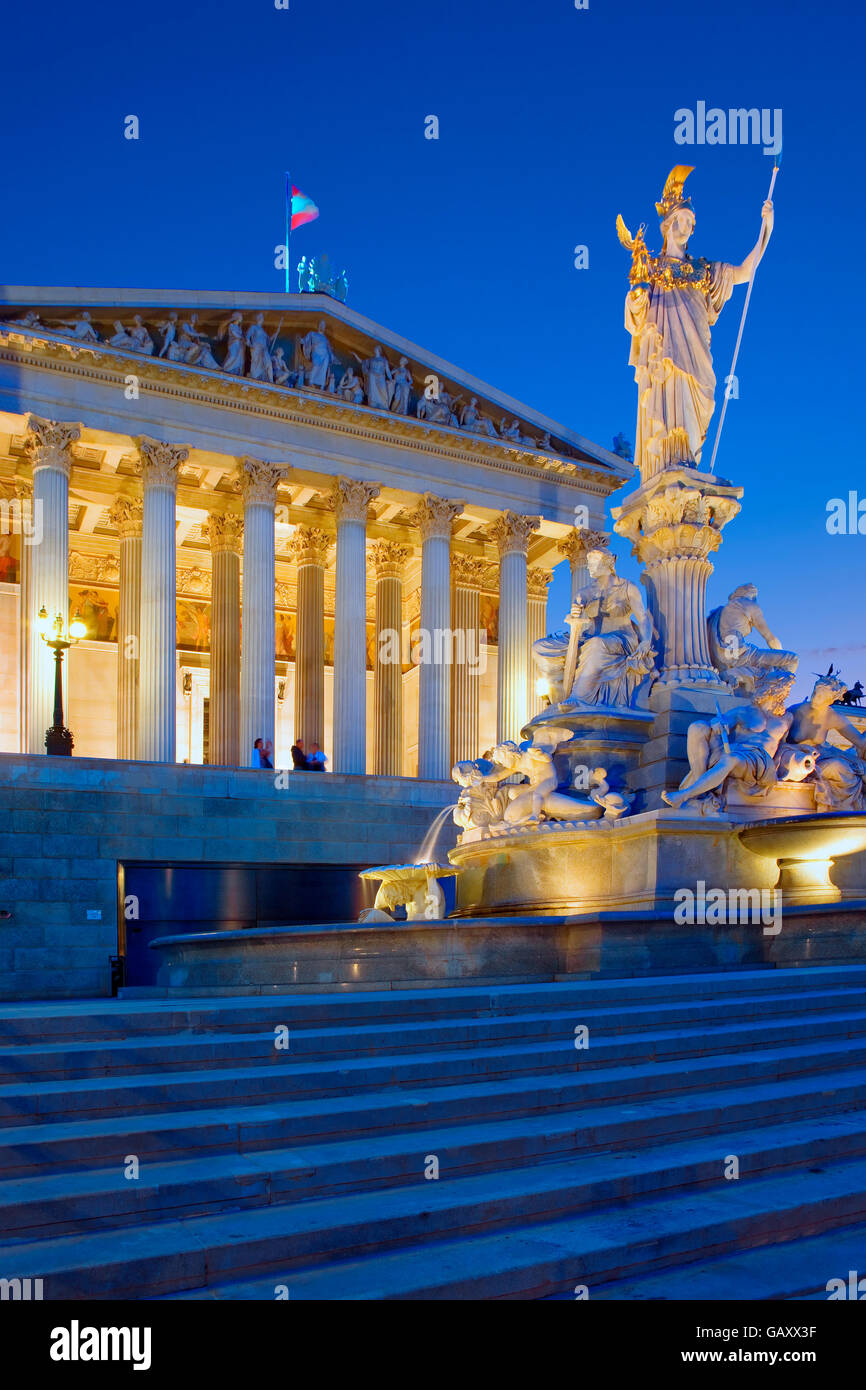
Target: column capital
[(350, 498), (158, 462), (468, 571), (434, 515), (579, 540), (310, 545), (225, 531), (49, 443), (537, 580), (388, 558), (511, 532), (126, 514), (259, 479)]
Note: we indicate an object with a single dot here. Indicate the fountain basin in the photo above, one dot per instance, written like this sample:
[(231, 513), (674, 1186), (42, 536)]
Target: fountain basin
[(408, 884), (805, 849)]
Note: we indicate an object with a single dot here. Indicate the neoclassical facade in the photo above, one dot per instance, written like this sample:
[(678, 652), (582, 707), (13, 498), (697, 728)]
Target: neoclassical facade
[(276, 519)]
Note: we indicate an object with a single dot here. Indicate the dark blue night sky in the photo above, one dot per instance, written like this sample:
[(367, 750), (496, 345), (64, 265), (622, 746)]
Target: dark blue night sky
[(552, 120)]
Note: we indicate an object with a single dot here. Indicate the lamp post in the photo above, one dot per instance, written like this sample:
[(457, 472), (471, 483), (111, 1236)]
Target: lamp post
[(58, 739)]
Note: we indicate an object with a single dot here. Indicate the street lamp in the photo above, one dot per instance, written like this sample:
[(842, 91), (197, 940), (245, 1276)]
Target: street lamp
[(58, 739)]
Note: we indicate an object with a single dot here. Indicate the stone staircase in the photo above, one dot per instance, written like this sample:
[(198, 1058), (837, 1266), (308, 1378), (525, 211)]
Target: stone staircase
[(267, 1171)]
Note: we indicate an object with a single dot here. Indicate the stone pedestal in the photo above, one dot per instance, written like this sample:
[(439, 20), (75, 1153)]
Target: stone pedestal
[(48, 444), (350, 501), (310, 548), (225, 532), (157, 717), (675, 522), (511, 533), (434, 518), (467, 575), (126, 515), (388, 559), (259, 482)]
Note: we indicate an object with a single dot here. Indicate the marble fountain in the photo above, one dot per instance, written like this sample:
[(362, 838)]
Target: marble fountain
[(668, 811)]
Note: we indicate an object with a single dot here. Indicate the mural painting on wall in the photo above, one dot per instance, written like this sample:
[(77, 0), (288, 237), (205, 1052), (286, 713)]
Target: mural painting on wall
[(489, 616), (8, 559), (286, 627), (97, 609), (193, 625)]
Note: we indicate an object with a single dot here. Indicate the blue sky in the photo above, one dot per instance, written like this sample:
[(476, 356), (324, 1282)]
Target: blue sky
[(552, 120)]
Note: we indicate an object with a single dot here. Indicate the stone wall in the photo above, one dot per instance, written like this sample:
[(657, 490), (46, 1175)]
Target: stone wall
[(68, 823)]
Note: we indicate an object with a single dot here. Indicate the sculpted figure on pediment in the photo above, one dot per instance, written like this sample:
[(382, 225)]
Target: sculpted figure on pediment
[(80, 328), (471, 419), (135, 339), (378, 379), (233, 329), (261, 367), (168, 329), (351, 387), (319, 355), (402, 379)]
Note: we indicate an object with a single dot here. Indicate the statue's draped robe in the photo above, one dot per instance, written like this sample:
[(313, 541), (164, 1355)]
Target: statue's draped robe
[(673, 366)]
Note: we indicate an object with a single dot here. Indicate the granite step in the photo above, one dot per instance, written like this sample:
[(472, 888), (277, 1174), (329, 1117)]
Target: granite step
[(68, 1020), (796, 1270), (545, 1077), (359, 1126), (41, 1060), (248, 1255), (84, 1200)]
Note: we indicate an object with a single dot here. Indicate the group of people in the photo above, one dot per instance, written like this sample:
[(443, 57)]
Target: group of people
[(263, 756), (314, 761)]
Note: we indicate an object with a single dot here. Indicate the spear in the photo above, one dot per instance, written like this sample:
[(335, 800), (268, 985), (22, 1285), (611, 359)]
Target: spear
[(776, 164)]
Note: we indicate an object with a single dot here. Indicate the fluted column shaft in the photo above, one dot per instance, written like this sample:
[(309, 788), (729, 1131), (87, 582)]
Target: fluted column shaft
[(126, 514), (49, 443), (467, 574), (24, 499), (676, 596), (225, 533), (511, 533), (350, 500), (157, 688), (310, 548), (259, 481), (388, 559), (536, 616), (434, 517)]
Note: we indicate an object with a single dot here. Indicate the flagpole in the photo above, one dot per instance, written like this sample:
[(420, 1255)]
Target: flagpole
[(288, 228), (730, 375)]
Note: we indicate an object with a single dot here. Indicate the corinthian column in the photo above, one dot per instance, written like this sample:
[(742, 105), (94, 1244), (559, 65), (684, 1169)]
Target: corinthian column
[(259, 482), (126, 514), (575, 547), (510, 532), (388, 559), (537, 581), (23, 499), (48, 444), (157, 713), (225, 533), (434, 517), (467, 576), (310, 548), (349, 502)]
